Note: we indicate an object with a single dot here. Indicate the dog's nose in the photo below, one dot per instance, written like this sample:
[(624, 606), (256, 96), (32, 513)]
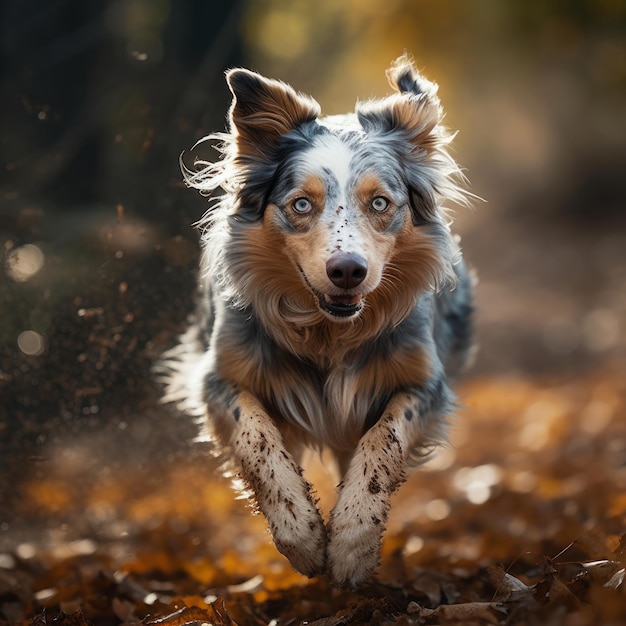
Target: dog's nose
[(346, 270)]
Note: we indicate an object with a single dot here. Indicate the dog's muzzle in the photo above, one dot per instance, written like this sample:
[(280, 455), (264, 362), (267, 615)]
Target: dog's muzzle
[(345, 271)]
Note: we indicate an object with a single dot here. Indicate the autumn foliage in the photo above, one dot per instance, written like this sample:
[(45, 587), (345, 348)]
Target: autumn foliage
[(521, 520)]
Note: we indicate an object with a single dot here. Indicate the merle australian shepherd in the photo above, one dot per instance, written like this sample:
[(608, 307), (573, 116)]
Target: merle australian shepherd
[(334, 306)]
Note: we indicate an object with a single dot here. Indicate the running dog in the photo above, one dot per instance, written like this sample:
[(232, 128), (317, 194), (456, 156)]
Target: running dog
[(334, 306)]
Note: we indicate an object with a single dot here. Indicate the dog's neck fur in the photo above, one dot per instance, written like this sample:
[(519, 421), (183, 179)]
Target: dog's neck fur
[(309, 335)]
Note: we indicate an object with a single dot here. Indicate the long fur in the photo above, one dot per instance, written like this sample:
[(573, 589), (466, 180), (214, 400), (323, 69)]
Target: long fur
[(287, 351)]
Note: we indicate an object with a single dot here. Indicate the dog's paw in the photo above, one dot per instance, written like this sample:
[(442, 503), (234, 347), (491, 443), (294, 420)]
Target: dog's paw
[(353, 550), (358, 519), (303, 541)]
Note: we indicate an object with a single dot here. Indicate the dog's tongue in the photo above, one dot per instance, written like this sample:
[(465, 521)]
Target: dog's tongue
[(342, 300)]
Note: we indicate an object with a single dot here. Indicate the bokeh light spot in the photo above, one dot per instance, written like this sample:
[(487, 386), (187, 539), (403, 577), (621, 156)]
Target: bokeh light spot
[(24, 262), (477, 482), (31, 343), (413, 545), (437, 510)]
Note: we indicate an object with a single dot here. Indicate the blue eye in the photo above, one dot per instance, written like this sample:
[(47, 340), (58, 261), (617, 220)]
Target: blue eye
[(380, 204), (302, 205)]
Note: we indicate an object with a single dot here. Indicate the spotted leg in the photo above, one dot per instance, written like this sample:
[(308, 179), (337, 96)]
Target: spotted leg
[(375, 472), (274, 478)]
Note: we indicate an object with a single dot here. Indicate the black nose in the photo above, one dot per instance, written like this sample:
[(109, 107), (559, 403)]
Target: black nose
[(346, 270)]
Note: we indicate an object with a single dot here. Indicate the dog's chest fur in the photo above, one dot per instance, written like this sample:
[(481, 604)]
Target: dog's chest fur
[(332, 401)]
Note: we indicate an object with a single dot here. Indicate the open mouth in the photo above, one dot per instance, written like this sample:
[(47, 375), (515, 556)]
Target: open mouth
[(340, 306), (344, 305)]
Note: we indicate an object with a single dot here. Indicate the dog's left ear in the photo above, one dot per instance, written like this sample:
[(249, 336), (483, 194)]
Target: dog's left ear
[(415, 111), (263, 110), (412, 118)]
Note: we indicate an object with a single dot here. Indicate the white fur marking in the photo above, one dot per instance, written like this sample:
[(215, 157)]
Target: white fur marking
[(332, 154)]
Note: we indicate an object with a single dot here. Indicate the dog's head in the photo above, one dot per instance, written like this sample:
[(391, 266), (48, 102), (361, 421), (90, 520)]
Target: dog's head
[(342, 214)]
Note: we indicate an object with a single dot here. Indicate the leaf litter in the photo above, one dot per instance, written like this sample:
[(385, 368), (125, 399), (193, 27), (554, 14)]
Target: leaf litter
[(522, 520)]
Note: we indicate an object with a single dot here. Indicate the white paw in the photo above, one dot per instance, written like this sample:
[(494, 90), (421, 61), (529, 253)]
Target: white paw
[(353, 549), (301, 538), (358, 519)]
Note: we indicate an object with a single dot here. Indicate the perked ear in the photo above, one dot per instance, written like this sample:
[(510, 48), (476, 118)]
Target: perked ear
[(404, 78), (263, 110), (415, 110)]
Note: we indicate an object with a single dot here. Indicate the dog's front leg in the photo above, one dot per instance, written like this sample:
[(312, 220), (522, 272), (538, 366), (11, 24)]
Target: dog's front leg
[(270, 472), (376, 470)]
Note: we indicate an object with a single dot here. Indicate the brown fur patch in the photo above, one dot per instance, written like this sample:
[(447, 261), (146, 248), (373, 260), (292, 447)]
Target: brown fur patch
[(368, 187), (266, 261), (314, 189), (235, 362), (414, 266), (417, 262), (419, 117), (388, 372)]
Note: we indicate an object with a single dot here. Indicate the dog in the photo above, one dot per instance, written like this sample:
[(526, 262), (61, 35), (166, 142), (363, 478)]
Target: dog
[(334, 306)]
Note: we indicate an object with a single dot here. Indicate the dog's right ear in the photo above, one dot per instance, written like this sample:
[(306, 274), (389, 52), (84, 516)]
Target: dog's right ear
[(263, 110)]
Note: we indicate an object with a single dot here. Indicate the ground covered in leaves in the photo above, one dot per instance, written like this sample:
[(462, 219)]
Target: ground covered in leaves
[(521, 521)]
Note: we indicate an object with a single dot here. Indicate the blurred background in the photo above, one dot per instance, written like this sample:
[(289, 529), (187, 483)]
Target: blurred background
[(99, 100)]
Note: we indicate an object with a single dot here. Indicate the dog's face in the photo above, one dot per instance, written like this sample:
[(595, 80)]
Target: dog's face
[(339, 207), (341, 213)]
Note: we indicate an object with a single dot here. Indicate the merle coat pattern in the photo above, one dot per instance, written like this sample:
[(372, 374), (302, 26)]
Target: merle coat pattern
[(334, 308)]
